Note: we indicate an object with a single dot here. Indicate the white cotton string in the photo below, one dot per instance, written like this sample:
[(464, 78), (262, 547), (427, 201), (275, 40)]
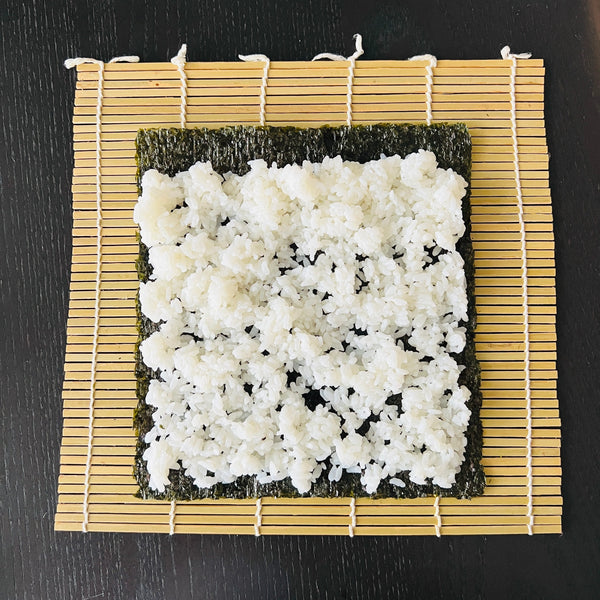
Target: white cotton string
[(179, 61), (432, 63), (506, 55), (263, 84), (172, 517), (438, 518), (70, 63), (258, 516), (352, 62), (352, 515), (73, 62), (127, 58)]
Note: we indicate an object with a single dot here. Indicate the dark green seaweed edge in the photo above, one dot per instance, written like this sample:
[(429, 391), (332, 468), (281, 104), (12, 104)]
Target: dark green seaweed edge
[(229, 148)]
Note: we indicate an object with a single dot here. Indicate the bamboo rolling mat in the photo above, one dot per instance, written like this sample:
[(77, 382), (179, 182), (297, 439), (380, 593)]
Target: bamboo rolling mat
[(521, 451)]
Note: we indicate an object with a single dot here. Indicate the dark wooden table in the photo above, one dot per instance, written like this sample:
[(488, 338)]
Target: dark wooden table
[(35, 246)]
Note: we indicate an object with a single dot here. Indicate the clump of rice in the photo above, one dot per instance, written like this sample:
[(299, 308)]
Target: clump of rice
[(308, 320)]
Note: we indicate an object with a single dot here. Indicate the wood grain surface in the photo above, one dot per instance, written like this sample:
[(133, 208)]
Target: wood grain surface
[(35, 237)]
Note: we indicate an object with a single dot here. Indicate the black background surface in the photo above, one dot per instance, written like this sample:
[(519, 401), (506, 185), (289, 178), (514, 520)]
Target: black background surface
[(35, 247)]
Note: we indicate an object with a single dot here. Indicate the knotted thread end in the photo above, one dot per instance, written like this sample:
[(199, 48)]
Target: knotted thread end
[(358, 52), (78, 60), (506, 54), (429, 57), (180, 58)]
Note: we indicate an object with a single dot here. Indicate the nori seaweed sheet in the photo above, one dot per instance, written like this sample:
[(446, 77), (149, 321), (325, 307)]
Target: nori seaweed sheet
[(229, 149)]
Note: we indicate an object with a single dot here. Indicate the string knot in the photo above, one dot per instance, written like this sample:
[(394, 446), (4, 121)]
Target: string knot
[(179, 59), (358, 52), (359, 47), (126, 58), (506, 54), (254, 57), (430, 57), (78, 60)]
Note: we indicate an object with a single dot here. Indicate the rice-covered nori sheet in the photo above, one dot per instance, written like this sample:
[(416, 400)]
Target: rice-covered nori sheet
[(229, 149)]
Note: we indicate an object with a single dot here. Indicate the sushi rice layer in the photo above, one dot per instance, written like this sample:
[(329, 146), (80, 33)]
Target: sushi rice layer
[(310, 321)]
